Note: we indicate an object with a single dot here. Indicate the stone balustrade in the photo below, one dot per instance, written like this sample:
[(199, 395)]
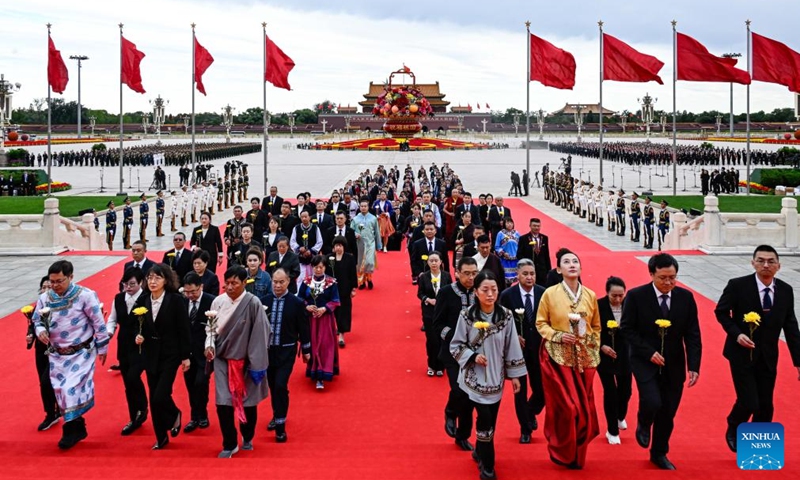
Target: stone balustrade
[(49, 232)]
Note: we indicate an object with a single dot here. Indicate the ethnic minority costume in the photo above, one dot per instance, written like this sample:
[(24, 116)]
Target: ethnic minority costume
[(384, 213), (507, 243), (484, 385), (77, 334), (366, 225), (324, 363), (568, 371)]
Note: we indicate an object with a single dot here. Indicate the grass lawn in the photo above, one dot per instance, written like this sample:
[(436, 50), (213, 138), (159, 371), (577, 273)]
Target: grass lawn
[(69, 206), (739, 203)]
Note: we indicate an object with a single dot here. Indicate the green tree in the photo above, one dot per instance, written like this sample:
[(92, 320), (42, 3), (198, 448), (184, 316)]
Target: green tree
[(326, 106)]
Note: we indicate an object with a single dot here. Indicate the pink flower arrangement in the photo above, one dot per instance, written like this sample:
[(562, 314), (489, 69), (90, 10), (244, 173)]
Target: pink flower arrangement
[(402, 102)]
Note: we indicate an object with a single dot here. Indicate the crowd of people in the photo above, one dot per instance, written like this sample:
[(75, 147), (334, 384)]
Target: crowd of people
[(492, 307), (20, 184)]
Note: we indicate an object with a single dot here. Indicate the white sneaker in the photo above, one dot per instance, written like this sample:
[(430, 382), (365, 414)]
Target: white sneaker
[(430, 372), (613, 439), (623, 425), (320, 385)]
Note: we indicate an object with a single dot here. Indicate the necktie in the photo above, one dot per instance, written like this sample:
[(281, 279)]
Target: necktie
[(341, 233), (430, 247), (137, 265), (537, 246), (319, 218), (177, 256), (528, 309), (767, 301), (664, 305), (193, 312)]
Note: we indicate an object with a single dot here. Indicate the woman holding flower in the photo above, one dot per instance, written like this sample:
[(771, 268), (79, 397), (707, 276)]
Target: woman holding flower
[(321, 295), (615, 365), (261, 283), (271, 236), (464, 235), (342, 267), (486, 347), (569, 322), (428, 285), (200, 260)]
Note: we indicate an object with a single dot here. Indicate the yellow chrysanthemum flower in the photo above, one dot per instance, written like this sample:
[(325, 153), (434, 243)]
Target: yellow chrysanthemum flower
[(662, 323), (26, 309), (752, 317), (612, 324), (140, 311)]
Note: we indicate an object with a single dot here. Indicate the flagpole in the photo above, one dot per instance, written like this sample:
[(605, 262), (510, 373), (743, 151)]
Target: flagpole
[(600, 24), (264, 94), (528, 102), (49, 125), (121, 153), (749, 72), (194, 78), (674, 110)]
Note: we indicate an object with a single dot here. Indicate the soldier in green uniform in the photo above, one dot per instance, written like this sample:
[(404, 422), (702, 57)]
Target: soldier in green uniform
[(127, 223), (111, 225), (144, 215), (663, 222), (635, 213), (649, 219), (159, 212)]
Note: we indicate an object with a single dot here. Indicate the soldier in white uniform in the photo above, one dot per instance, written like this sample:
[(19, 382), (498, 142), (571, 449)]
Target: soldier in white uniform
[(611, 211), (184, 198), (193, 198), (211, 197), (174, 209)]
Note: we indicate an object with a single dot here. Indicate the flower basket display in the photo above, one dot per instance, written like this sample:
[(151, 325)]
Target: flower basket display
[(402, 106)]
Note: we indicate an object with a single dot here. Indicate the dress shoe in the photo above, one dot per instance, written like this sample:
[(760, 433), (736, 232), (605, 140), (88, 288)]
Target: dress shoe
[(114, 368), (439, 373), (643, 435), (49, 421), (662, 462), (465, 445), (203, 423), (730, 438), (191, 426), (271, 425), (159, 445), (525, 438), (450, 426), (370, 285), (362, 286), (281, 437), (176, 427), (73, 432), (228, 453), (488, 474), (130, 428)]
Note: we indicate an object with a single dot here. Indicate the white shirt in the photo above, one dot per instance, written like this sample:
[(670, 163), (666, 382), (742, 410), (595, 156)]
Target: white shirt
[(130, 301), (761, 288), (658, 296), (481, 260), (225, 307), (156, 303), (438, 283), (523, 295)]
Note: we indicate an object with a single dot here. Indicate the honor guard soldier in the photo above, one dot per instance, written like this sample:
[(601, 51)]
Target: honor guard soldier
[(649, 219), (600, 206), (621, 213), (111, 225), (184, 205), (127, 223), (193, 198), (233, 190), (160, 209), (144, 216), (212, 196), (634, 216), (220, 195), (226, 193), (174, 210), (245, 184), (611, 211), (663, 222)]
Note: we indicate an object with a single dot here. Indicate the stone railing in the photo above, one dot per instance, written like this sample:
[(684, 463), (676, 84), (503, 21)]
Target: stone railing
[(717, 232), (49, 232)]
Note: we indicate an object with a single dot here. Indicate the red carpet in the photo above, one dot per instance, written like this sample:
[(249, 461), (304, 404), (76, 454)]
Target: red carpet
[(382, 418)]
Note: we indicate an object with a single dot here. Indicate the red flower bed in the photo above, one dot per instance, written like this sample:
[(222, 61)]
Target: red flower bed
[(56, 187), (379, 144)]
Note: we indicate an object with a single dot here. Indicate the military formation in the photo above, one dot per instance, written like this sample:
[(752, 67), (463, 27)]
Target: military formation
[(609, 208)]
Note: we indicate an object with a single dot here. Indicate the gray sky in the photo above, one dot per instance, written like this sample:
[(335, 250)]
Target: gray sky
[(476, 50)]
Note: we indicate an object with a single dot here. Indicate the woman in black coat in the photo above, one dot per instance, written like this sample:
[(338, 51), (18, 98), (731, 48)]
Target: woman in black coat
[(429, 283), (343, 269), (166, 342), (270, 238), (210, 280), (615, 366), (207, 237)]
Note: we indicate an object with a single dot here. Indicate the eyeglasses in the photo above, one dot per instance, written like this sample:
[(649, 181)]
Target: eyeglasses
[(665, 278), (131, 284), (768, 262), (59, 281)]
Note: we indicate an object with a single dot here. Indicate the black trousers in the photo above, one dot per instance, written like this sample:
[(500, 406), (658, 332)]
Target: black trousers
[(484, 432), (45, 386), (131, 370), (755, 386), (196, 381), (635, 223), (433, 344), (458, 405), (227, 424), (658, 403), (163, 410), (281, 363), (616, 392), (526, 407)]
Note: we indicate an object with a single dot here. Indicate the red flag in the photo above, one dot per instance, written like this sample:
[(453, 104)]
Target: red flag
[(487, 105), (131, 74), (696, 64), (774, 62), (202, 60), (550, 65), (278, 66), (623, 63), (57, 74)]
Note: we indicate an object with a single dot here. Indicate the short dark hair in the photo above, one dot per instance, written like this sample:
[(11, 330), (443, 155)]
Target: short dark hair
[(483, 239), (46, 278), (766, 248), (192, 278), (340, 240), (61, 266), (429, 223), (661, 260), (133, 272), (248, 225), (181, 234), (140, 242), (202, 255), (466, 261), (168, 274), (614, 282), (237, 271), (484, 275), (534, 219), (318, 259)]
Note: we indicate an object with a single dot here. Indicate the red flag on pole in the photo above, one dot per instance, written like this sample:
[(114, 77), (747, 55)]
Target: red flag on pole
[(278, 66), (131, 75), (623, 63), (696, 64), (774, 62), (550, 65), (57, 74), (202, 60)]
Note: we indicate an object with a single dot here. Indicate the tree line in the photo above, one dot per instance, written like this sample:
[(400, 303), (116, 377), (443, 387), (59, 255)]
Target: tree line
[(777, 115)]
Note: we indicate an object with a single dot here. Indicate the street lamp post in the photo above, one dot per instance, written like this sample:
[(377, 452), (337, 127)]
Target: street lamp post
[(92, 122), (731, 55), (516, 124), (719, 123), (663, 124), (80, 59), (540, 117), (291, 124), (647, 102), (159, 105), (623, 121), (145, 123), (579, 117), (7, 89), (227, 121), (186, 119)]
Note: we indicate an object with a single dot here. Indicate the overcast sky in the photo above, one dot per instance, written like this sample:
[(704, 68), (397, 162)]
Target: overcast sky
[(476, 50)]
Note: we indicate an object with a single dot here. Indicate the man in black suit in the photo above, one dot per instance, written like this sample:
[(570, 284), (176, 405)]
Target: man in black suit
[(467, 206), (181, 261), (525, 295), (536, 246), (425, 246), (196, 379), (660, 356), (286, 259), (290, 326), (272, 204), (497, 215), (140, 260), (335, 205), (287, 219), (752, 350), (340, 229), (487, 260), (449, 303), (323, 219)]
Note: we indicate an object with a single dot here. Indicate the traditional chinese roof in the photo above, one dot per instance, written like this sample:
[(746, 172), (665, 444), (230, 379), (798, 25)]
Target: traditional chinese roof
[(429, 90), (571, 108)]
